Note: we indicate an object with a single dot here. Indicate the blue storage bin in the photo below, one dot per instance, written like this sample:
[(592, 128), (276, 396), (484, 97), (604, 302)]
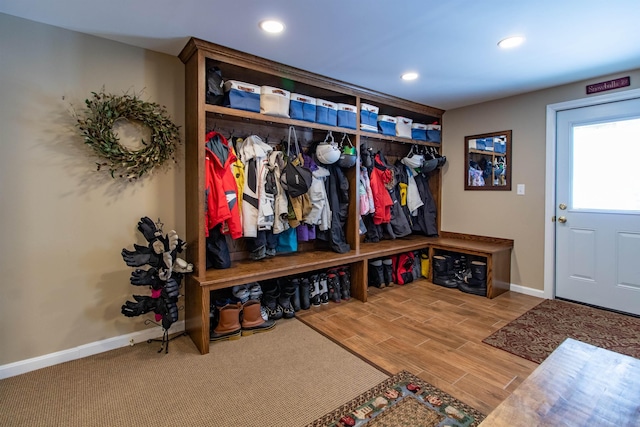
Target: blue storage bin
[(434, 133), (419, 131), (369, 117), (347, 116), (387, 125), (242, 96), (302, 107), (488, 144), (326, 112), (500, 147)]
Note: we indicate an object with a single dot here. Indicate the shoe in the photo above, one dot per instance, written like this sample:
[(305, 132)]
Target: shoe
[(305, 293), (376, 274), (252, 320), (314, 290), (324, 288), (295, 298), (442, 274), (255, 291), (387, 271), (287, 291), (477, 283), (334, 285), (345, 283), (228, 327), (270, 301)]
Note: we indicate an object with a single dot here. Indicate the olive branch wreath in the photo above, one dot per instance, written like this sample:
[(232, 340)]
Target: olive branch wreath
[(103, 110)]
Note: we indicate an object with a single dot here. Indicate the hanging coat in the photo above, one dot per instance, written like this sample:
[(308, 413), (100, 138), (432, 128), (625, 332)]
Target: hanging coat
[(258, 205), (425, 220), (221, 193), (337, 189), (280, 206), (381, 176), (320, 213)]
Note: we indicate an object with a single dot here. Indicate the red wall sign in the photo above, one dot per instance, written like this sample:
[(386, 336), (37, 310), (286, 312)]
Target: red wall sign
[(608, 85)]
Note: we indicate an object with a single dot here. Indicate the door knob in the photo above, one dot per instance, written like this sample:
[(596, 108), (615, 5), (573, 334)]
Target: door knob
[(562, 219), (562, 206)]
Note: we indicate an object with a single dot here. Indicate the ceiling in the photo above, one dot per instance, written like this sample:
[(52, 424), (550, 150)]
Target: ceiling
[(452, 44)]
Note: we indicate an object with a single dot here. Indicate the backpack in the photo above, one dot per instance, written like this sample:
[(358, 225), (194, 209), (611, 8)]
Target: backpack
[(402, 272)]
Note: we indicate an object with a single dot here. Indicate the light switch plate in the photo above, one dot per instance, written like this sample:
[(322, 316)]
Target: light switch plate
[(520, 190)]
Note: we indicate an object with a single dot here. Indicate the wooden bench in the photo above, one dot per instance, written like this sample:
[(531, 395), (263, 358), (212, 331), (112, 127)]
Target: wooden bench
[(197, 303)]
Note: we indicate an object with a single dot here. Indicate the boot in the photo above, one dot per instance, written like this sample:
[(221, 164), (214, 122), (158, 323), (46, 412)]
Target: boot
[(295, 298), (461, 269), (252, 321), (477, 283), (323, 288), (270, 302), (228, 327), (376, 274), (345, 283), (287, 291), (255, 293), (334, 285), (442, 273), (314, 290), (305, 293), (387, 271)]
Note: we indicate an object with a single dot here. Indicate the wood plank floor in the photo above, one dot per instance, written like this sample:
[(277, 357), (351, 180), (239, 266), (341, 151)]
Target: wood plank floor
[(435, 333)]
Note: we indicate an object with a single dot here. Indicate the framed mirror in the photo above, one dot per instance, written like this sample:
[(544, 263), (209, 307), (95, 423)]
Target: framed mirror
[(488, 161)]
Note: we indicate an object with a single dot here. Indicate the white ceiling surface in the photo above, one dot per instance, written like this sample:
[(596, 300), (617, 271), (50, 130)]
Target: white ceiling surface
[(452, 44)]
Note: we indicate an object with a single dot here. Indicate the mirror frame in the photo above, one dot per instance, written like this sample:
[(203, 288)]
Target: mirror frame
[(506, 154)]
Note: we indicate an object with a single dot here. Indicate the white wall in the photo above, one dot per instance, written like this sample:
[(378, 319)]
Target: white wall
[(62, 224), (500, 213)]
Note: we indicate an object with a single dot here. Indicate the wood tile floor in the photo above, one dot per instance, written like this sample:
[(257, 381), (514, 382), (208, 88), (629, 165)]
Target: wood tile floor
[(435, 333)]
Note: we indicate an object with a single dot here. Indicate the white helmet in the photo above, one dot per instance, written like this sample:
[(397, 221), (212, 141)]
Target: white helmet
[(328, 152)]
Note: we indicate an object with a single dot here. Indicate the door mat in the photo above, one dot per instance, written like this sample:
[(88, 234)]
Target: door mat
[(539, 331), (402, 400)]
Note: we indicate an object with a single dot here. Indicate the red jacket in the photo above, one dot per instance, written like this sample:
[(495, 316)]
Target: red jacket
[(221, 191), (381, 175)]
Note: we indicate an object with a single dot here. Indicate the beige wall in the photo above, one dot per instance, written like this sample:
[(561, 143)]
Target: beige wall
[(62, 225), (500, 213)]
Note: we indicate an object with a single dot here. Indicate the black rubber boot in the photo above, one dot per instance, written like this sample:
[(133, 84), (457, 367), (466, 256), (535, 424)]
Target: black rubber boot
[(387, 270), (376, 273), (287, 291), (314, 290), (270, 295), (334, 285), (477, 283), (442, 274), (305, 293), (295, 299), (345, 283)]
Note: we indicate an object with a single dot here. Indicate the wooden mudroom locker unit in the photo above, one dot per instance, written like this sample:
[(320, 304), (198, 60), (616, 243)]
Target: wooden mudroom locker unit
[(198, 55)]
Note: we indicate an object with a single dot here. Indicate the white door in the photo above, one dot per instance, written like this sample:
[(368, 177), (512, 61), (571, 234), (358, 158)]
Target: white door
[(598, 205)]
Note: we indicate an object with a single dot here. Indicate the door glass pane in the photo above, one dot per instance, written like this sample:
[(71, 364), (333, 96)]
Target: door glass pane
[(606, 166)]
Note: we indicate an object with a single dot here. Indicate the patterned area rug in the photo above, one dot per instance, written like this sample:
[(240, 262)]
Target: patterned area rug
[(402, 400), (539, 331)]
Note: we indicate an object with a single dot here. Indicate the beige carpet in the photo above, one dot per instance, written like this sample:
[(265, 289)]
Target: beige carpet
[(287, 377)]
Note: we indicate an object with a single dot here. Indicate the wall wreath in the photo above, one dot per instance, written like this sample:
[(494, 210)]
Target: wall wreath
[(96, 122)]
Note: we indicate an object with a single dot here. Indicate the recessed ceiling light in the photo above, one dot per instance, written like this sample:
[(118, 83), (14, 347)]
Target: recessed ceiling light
[(271, 26), (410, 76), (510, 42)]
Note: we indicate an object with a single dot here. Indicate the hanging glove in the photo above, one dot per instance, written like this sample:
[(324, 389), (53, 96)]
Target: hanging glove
[(141, 256), (141, 277), (142, 305), (172, 288), (148, 229)]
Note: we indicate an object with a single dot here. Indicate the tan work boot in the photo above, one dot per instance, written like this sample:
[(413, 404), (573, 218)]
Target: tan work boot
[(228, 324), (252, 320)]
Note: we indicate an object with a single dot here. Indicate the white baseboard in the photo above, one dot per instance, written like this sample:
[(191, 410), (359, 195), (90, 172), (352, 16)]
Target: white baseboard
[(28, 365), (527, 291)]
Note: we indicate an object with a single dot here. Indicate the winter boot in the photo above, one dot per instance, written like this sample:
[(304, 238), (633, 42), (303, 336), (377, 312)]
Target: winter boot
[(287, 291), (270, 302), (295, 298), (324, 288), (334, 285), (345, 283), (314, 290), (477, 283), (252, 321), (461, 269), (376, 274), (387, 271), (228, 327), (442, 273), (304, 289)]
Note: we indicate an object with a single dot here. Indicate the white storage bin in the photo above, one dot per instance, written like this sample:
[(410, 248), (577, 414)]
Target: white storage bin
[(274, 101), (403, 127), (369, 117)]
